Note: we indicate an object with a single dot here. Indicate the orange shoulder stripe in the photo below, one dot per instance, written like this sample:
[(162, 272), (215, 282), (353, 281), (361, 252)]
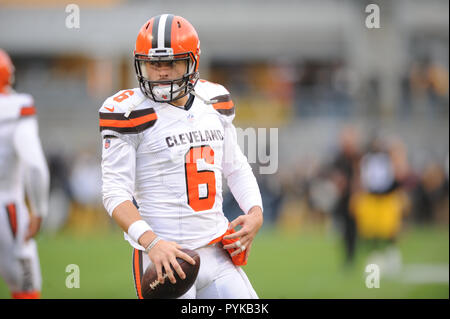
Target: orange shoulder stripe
[(129, 122), (27, 110), (224, 105)]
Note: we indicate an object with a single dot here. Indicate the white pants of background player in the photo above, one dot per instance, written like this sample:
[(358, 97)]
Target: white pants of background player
[(19, 261), (218, 277)]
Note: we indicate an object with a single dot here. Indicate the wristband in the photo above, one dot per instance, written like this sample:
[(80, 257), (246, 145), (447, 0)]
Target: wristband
[(138, 228), (152, 244)]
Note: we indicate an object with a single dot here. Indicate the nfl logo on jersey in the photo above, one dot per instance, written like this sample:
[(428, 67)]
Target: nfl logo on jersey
[(190, 117), (107, 143)]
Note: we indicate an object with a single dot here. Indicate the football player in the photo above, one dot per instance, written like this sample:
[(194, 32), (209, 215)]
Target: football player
[(23, 170), (166, 144)]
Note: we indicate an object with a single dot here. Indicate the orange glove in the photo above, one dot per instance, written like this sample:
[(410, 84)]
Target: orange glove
[(239, 259)]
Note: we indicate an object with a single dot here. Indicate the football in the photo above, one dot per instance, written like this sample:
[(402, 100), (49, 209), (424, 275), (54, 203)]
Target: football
[(151, 288)]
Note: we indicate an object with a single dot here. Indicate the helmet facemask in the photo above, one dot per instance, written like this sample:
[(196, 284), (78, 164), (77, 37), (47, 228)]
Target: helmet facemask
[(165, 91)]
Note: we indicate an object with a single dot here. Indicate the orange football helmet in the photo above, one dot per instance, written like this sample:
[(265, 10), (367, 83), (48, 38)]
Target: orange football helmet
[(167, 38), (6, 71)]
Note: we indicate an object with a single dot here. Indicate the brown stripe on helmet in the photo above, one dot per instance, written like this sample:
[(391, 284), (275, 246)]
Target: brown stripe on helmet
[(168, 32), (155, 32)]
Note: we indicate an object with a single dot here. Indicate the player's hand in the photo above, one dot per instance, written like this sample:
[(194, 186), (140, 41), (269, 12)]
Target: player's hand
[(164, 254), (33, 227), (251, 223)]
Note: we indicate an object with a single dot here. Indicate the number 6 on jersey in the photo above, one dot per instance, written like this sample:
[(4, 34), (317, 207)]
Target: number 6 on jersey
[(197, 180)]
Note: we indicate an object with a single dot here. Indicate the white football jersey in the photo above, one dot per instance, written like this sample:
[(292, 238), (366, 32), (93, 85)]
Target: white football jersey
[(171, 160), (22, 161)]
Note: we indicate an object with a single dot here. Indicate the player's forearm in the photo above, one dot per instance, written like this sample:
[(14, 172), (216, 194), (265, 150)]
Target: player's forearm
[(29, 150), (238, 172), (125, 214), (244, 187), (37, 182)]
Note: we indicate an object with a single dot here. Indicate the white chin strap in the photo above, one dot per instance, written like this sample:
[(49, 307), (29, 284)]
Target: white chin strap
[(163, 92)]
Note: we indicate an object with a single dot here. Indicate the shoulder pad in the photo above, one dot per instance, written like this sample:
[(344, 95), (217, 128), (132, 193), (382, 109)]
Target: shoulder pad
[(122, 100), (224, 104), (220, 95), (16, 105), (112, 113)]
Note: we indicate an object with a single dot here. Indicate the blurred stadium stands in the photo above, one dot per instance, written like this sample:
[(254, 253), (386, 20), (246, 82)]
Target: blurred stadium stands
[(308, 68)]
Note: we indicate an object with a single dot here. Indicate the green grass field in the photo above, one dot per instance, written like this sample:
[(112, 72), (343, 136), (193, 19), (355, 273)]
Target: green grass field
[(307, 264)]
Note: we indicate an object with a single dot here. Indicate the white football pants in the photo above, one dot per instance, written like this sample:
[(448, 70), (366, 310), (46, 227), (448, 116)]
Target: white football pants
[(19, 261)]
